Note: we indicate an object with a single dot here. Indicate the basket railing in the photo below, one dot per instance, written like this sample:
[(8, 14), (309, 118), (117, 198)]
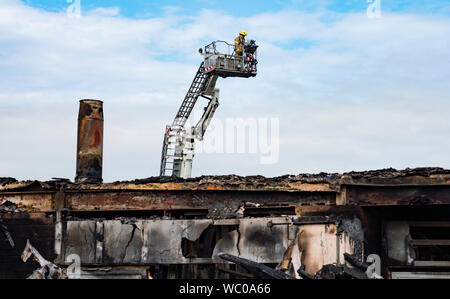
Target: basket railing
[(227, 51)]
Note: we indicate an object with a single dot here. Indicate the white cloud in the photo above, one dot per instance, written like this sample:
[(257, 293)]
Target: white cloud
[(363, 94), (105, 11)]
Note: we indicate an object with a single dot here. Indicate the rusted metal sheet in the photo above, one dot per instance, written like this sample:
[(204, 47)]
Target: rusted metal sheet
[(30, 202), (90, 142)]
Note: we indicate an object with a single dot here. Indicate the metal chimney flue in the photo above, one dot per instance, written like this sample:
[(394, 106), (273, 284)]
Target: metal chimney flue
[(90, 142)]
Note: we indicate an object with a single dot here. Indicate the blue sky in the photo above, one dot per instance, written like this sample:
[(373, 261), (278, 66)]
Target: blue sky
[(350, 92), (329, 11), (145, 8)]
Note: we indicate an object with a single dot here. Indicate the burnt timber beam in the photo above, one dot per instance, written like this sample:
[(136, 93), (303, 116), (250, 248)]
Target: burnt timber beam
[(132, 200), (99, 200)]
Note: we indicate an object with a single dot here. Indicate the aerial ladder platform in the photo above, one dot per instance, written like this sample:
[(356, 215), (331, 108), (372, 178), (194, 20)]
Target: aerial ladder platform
[(220, 60)]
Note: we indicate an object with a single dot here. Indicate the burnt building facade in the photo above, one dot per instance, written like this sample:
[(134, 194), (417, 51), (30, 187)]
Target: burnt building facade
[(171, 228)]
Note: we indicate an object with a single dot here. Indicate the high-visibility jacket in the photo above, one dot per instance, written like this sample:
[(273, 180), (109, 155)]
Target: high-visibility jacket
[(239, 43)]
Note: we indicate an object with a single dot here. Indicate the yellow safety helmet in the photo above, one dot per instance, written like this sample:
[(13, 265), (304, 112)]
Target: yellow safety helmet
[(243, 32)]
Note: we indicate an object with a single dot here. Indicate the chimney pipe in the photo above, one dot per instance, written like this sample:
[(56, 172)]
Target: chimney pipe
[(90, 142)]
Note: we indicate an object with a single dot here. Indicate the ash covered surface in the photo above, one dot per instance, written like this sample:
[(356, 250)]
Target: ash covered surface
[(394, 173), (232, 179), (332, 179), (300, 178), (7, 181)]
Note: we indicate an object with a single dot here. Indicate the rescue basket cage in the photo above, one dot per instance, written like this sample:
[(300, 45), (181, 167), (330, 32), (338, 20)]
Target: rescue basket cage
[(221, 59)]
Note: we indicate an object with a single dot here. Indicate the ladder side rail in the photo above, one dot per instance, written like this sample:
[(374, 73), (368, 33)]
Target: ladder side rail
[(191, 97), (162, 171)]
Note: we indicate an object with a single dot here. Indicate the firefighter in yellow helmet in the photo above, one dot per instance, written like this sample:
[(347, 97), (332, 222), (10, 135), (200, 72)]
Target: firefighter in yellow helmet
[(239, 43)]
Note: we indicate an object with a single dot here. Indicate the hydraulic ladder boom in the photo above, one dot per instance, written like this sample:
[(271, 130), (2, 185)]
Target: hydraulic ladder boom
[(178, 147), (179, 141)]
